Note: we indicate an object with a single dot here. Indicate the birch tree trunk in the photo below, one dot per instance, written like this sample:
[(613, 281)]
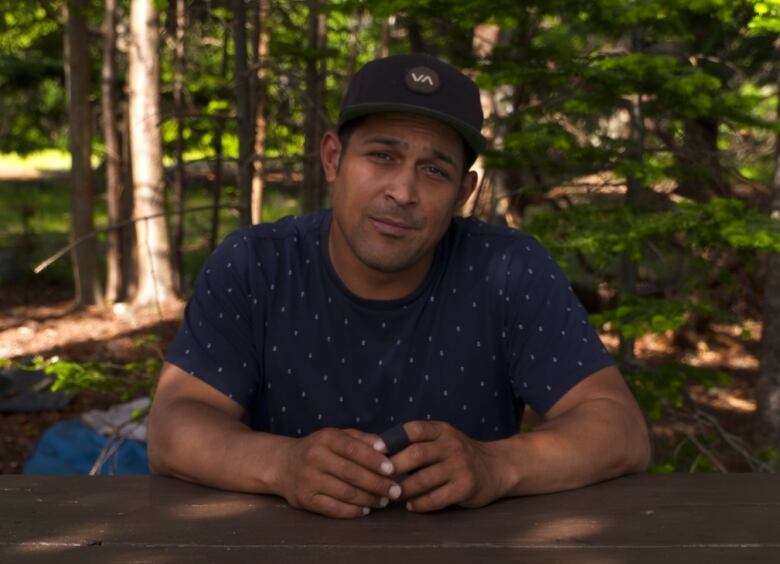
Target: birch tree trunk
[(116, 281), (84, 256), (155, 275)]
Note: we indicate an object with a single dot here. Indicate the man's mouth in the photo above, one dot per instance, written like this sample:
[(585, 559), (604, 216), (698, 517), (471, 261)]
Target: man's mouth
[(391, 227)]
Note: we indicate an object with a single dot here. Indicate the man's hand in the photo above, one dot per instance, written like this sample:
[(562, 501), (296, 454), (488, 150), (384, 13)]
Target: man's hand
[(337, 473), (449, 468)]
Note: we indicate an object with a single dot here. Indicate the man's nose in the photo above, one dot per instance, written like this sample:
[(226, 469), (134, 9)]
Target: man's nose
[(402, 187)]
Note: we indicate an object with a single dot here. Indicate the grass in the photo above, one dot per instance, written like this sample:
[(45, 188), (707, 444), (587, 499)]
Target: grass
[(45, 161)]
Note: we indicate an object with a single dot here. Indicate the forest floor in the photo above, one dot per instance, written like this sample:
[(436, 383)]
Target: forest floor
[(43, 322)]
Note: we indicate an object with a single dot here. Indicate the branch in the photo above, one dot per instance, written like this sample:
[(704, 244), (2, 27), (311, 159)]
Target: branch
[(46, 263)]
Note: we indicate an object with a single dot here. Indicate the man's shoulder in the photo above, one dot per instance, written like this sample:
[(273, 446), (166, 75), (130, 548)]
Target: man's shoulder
[(290, 227), (287, 230), (492, 238)]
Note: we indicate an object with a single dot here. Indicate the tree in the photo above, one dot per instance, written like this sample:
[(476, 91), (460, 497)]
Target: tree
[(179, 177), (243, 112), (768, 388), (77, 69), (261, 50), (118, 259), (155, 274), (313, 179)]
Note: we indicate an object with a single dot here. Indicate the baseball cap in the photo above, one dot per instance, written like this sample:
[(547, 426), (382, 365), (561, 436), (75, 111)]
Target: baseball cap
[(421, 84)]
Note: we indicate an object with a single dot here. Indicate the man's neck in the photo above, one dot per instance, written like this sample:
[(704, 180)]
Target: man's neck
[(371, 284)]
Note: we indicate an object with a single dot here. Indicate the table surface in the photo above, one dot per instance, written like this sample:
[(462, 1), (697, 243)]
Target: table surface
[(642, 518)]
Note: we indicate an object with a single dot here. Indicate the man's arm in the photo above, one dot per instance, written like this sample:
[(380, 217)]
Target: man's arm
[(196, 434), (596, 431)]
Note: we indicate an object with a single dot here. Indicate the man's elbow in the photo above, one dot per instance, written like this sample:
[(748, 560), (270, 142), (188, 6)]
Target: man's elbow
[(638, 451), (155, 449)]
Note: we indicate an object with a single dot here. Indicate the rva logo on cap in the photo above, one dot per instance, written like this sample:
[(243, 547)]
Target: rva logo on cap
[(422, 80)]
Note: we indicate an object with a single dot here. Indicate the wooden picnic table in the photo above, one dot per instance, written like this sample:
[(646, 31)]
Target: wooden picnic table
[(709, 518)]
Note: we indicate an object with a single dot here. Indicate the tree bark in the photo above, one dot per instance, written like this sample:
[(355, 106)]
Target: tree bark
[(261, 44), (216, 193), (313, 179), (243, 112), (116, 281), (701, 174), (77, 66), (768, 388), (127, 204), (155, 274), (179, 178)]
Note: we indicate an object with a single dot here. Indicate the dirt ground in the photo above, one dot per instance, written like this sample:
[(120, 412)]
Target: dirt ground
[(45, 323), (35, 322)]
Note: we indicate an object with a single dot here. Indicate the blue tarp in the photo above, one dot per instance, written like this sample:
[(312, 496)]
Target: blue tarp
[(70, 447)]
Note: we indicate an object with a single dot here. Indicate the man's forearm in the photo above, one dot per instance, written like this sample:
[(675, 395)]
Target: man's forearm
[(597, 440), (209, 447)]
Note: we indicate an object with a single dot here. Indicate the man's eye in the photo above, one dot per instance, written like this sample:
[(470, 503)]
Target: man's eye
[(381, 155), (437, 171)]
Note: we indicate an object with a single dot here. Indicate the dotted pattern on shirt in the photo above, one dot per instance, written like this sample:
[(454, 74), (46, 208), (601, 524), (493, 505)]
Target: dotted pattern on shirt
[(495, 326)]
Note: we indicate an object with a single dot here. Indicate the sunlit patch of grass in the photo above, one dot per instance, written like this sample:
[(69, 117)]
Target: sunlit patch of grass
[(47, 160)]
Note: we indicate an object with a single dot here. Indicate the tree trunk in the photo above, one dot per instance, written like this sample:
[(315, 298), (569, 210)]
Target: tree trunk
[(701, 175), (216, 194), (179, 177), (416, 42), (768, 388), (313, 179), (77, 66), (261, 43), (126, 204), (243, 115), (383, 48), (116, 282), (629, 268), (155, 274)]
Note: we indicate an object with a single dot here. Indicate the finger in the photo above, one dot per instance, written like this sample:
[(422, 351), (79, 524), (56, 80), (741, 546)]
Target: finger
[(326, 505), (360, 477), (419, 455), (359, 452), (425, 480), (441, 497), (345, 492), (368, 438), (419, 431)]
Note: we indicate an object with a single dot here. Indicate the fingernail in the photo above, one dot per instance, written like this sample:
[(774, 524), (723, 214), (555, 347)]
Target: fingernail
[(409, 506), (383, 502), (387, 467), (379, 445), (395, 491), (366, 511)]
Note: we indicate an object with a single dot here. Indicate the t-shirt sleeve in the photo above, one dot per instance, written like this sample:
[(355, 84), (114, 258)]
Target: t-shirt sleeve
[(223, 322), (552, 345)]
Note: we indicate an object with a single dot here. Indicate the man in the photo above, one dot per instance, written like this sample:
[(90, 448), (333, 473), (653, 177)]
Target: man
[(306, 339)]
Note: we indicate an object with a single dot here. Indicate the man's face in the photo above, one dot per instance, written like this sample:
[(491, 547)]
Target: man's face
[(395, 188)]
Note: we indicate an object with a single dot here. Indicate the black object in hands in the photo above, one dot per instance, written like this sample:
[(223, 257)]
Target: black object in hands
[(395, 439)]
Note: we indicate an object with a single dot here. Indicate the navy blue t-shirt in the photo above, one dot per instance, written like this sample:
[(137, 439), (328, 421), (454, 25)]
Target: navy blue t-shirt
[(494, 326)]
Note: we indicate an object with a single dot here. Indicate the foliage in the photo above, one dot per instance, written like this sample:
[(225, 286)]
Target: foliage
[(661, 388), (653, 95), (123, 381)]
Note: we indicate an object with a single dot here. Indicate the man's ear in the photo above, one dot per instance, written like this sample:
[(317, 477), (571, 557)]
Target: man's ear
[(330, 154), (467, 186)]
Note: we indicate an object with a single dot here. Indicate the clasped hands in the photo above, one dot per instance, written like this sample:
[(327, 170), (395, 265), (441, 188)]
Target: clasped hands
[(346, 473)]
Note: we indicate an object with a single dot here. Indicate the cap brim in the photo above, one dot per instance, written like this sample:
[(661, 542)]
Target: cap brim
[(473, 138)]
